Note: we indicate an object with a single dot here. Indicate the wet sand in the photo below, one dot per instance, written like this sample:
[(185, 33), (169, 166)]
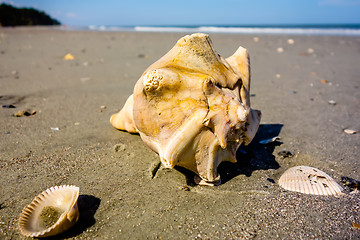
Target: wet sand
[(69, 139)]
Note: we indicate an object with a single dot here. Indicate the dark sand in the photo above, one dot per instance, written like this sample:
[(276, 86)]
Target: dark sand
[(119, 198)]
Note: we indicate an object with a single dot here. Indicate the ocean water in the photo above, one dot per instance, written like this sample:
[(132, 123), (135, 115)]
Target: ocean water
[(311, 29)]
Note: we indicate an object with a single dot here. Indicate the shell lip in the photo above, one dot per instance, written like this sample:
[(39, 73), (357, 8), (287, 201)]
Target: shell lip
[(67, 219), (200, 181)]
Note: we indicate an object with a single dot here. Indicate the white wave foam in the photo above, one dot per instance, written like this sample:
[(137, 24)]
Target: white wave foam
[(163, 29), (239, 30), (255, 30)]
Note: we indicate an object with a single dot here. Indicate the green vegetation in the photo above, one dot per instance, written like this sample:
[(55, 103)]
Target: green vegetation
[(11, 16)]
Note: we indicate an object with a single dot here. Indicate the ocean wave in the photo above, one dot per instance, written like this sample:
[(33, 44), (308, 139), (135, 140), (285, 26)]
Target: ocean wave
[(239, 30), (254, 30)]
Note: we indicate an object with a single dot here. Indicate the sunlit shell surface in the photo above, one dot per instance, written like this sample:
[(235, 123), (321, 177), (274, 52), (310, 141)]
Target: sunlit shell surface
[(309, 180), (51, 212), (192, 107)]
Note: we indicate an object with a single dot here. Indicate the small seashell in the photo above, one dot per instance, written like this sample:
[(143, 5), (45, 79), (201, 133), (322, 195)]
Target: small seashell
[(285, 154), (332, 102), (324, 81), (69, 56), (280, 50), (310, 50), (25, 113), (309, 180), (350, 131), (53, 211), (269, 140), (290, 41)]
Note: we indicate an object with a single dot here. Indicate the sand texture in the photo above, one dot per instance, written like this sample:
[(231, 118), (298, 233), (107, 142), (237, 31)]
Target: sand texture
[(308, 90)]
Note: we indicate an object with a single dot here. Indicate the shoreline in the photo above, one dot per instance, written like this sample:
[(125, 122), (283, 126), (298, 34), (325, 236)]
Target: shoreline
[(341, 30)]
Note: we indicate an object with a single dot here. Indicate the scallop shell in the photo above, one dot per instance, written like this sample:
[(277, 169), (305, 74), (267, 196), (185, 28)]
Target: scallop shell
[(53, 211), (309, 180)]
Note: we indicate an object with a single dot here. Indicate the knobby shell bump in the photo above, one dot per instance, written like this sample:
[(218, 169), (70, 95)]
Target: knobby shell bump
[(192, 107), (51, 212)]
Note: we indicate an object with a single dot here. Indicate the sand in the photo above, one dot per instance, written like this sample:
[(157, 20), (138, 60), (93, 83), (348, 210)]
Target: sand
[(69, 139)]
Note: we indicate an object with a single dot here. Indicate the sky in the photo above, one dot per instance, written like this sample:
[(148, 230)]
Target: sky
[(196, 12)]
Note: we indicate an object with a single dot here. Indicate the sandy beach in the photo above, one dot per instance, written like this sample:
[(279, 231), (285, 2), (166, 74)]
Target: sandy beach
[(307, 87)]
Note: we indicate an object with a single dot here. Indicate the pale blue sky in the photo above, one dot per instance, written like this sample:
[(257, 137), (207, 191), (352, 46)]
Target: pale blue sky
[(197, 12)]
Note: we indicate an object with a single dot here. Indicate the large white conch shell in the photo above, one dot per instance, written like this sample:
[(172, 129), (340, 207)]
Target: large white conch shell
[(51, 212), (192, 107)]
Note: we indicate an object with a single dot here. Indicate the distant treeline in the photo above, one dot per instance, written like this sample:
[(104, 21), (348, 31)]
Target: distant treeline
[(11, 16)]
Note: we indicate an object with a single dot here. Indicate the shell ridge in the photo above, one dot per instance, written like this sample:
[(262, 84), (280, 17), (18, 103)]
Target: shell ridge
[(326, 186), (307, 183), (331, 188), (182, 137), (319, 187), (300, 187), (336, 188)]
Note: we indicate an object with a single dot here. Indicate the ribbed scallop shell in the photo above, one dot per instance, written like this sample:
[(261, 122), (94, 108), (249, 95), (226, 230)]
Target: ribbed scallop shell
[(58, 201), (309, 180)]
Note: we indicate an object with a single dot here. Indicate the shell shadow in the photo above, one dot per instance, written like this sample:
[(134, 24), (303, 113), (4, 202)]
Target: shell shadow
[(250, 158), (253, 157), (88, 206), (11, 99)]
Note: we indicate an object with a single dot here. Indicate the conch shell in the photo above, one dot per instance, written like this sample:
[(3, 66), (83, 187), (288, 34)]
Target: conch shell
[(51, 212), (192, 107)]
